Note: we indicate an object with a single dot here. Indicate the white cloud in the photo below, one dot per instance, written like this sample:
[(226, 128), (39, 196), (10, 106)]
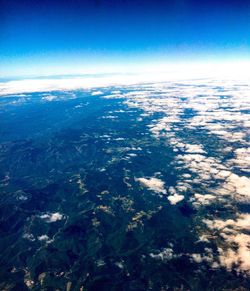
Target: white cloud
[(203, 199), (207, 257), (29, 236), (153, 184), (52, 217), (174, 199), (165, 255), (49, 98), (43, 237), (236, 233), (95, 93)]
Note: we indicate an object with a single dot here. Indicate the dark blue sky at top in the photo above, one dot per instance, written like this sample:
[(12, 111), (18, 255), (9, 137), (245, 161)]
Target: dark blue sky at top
[(34, 32)]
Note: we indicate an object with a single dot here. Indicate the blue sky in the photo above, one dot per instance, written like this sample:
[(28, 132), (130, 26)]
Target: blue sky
[(64, 37)]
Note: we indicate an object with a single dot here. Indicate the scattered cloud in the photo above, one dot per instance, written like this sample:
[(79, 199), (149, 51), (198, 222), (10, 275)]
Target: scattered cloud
[(52, 217), (49, 98), (153, 184), (174, 199), (165, 255), (235, 253), (220, 111), (95, 93)]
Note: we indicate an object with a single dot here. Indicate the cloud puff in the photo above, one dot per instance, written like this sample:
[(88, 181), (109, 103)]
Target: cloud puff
[(241, 185), (95, 93), (43, 237), (29, 236), (52, 217), (49, 98), (242, 159), (236, 253), (204, 199), (153, 184), (165, 255), (207, 257), (174, 199)]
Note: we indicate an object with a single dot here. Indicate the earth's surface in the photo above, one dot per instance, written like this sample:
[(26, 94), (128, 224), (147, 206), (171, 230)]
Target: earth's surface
[(141, 187)]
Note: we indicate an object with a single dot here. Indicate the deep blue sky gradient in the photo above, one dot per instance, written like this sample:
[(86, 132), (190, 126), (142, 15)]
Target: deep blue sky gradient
[(35, 34)]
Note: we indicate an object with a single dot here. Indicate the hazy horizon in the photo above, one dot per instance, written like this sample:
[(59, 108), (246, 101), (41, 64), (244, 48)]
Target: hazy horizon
[(60, 37)]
